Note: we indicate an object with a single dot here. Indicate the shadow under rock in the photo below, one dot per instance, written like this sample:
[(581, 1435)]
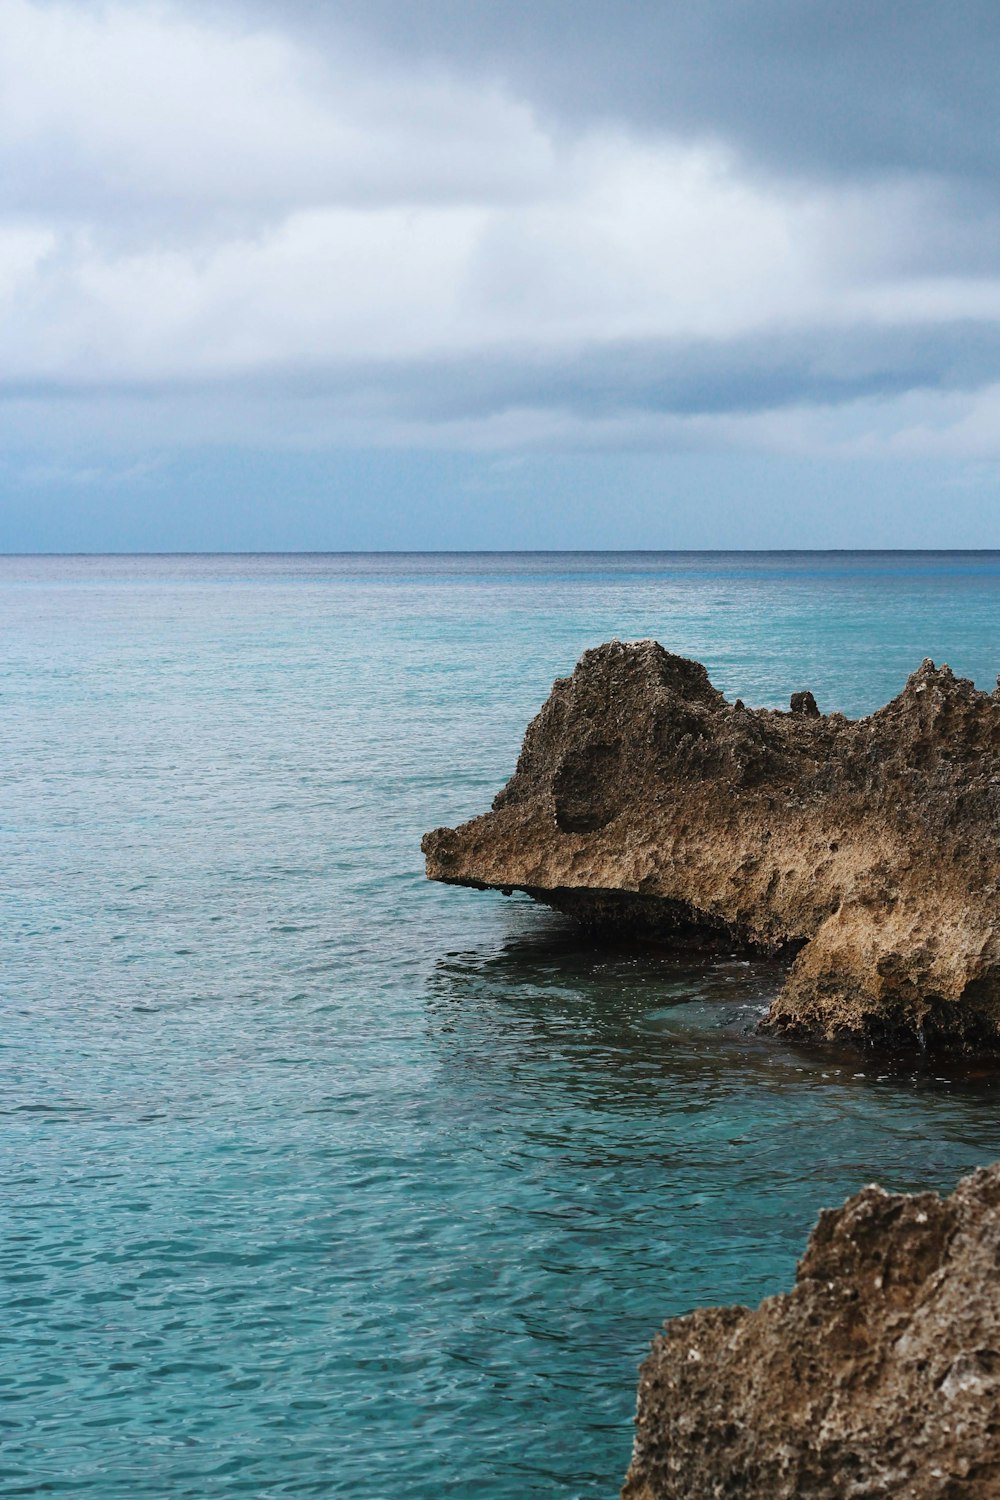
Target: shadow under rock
[(624, 1024)]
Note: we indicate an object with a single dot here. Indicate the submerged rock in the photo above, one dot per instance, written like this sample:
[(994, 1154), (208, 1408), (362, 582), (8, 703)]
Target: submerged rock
[(878, 1375), (868, 851)]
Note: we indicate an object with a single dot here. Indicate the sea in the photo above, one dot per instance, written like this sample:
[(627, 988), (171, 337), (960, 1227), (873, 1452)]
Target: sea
[(317, 1179)]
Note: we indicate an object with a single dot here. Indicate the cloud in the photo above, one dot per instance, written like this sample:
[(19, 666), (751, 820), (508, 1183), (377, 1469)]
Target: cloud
[(75, 476), (483, 226), (828, 88), (631, 243), (148, 110)]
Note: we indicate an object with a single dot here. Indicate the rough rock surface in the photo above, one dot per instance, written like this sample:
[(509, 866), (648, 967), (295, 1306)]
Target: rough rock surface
[(878, 1375), (868, 850)]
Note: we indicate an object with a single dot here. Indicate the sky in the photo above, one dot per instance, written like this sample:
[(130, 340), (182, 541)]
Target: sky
[(366, 274)]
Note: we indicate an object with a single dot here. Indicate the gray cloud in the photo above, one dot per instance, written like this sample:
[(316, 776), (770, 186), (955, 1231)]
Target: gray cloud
[(824, 87), (744, 376)]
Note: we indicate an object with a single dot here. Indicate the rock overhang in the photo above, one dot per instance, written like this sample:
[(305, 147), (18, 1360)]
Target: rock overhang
[(646, 804)]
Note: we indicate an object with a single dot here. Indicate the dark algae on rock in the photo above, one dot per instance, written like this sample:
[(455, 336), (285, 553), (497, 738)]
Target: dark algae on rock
[(866, 852), (878, 1375)]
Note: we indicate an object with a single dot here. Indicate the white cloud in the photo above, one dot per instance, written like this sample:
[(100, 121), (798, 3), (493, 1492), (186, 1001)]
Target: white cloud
[(23, 247), (142, 106), (640, 245)]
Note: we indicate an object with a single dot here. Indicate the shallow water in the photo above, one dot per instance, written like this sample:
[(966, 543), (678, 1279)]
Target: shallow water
[(321, 1180)]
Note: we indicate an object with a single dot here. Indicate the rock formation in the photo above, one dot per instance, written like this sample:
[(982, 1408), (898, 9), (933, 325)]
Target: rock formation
[(866, 851), (878, 1375)]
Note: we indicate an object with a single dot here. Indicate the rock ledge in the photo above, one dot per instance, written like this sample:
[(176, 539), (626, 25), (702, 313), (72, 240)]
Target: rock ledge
[(867, 851)]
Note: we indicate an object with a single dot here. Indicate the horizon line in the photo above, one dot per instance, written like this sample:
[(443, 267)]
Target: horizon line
[(527, 552)]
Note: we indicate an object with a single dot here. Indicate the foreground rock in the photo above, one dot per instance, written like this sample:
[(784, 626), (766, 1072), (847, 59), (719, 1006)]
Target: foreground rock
[(645, 803), (879, 1375)]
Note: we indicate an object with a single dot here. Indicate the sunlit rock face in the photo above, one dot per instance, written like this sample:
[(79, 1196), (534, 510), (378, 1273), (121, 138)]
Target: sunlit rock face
[(868, 852), (879, 1374)]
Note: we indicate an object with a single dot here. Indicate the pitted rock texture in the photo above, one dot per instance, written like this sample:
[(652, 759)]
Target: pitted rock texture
[(645, 803), (878, 1375)]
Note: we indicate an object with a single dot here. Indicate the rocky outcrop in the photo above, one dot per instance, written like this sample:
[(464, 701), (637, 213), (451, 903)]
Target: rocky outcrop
[(878, 1375), (867, 851)]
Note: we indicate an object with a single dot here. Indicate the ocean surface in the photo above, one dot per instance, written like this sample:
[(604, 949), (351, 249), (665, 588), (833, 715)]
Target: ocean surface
[(318, 1179)]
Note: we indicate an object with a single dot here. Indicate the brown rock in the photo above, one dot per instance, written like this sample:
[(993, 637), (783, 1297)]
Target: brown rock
[(878, 1375), (805, 703), (646, 804)]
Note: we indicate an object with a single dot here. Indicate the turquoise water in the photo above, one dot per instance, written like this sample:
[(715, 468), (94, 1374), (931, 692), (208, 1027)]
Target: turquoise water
[(321, 1180)]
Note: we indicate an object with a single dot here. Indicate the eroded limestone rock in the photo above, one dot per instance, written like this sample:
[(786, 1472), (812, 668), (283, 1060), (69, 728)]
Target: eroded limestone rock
[(878, 1375), (869, 850)]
